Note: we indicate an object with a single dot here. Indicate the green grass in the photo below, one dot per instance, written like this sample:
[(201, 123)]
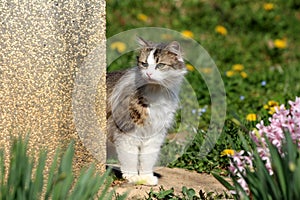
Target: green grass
[(272, 73)]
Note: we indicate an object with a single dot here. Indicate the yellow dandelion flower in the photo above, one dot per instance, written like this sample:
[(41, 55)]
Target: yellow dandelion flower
[(280, 43), (118, 46), (268, 6), (272, 110), (266, 107), (244, 74), (230, 73), (190, 67), (187, 34), (142, 17), (251, 117), (272, 103), (271, 106), (206, 70), (238, 67), (227, 152), (221, 30)]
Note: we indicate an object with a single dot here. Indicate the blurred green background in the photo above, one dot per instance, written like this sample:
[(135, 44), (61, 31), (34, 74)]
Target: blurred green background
[(255, 45)]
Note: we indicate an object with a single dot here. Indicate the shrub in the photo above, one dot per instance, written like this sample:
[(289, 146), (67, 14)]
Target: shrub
[(21, 183)]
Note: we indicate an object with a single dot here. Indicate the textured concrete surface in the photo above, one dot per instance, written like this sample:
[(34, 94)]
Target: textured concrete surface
[(52, 76)]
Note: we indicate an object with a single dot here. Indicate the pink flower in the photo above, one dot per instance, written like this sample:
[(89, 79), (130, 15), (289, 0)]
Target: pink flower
[(238, 167), (283, 120)]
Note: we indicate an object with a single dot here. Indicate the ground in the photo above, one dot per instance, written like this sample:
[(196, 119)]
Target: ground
[(173, 178)]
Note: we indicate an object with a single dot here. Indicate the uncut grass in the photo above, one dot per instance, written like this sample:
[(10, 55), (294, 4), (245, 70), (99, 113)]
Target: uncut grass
[(251, 31)]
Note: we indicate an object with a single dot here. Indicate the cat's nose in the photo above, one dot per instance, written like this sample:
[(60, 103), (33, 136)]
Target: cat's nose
[(149, 74)]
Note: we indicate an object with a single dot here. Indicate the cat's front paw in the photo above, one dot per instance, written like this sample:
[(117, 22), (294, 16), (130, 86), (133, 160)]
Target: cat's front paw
[(131, 178), (148, 179)]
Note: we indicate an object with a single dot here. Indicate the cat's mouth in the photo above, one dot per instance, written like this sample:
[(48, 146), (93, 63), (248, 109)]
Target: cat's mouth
[(150, 80)]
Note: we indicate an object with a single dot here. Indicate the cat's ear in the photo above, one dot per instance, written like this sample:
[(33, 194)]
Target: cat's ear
[(142, 42), (174, 47)]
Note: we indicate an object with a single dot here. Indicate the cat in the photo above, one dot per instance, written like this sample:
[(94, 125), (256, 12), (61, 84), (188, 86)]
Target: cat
[(141, 104)]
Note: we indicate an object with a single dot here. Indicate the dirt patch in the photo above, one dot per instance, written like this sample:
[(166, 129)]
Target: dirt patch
[(173, 178)]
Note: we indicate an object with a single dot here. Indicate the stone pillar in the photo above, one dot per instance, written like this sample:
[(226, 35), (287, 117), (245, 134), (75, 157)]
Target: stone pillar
[(52, 76)]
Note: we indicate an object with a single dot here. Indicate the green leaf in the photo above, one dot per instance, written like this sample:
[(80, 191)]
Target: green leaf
[(191, 193), (225, 183), (51, 181), (279, 173), (37, 185)]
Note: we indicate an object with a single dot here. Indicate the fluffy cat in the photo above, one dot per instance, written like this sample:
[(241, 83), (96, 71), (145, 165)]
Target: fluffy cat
[(141, 103)]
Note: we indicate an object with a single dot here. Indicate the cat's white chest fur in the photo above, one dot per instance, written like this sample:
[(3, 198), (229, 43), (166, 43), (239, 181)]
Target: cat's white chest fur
[(161, 110)]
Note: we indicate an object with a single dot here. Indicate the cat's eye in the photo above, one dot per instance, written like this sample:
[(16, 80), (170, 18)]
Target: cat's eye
[(160, 66), (143, 64)]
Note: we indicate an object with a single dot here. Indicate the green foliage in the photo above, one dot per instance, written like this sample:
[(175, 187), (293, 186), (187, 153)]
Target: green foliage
[(186, 194), (162, 194), (272, 73), (24, 181), (213, 161), (283, 184)]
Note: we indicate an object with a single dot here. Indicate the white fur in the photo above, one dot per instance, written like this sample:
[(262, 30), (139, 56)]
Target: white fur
[(138, 150), (150, 59), (151, 72)]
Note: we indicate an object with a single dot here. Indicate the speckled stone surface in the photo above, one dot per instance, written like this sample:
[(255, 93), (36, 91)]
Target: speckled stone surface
[(51, 54)]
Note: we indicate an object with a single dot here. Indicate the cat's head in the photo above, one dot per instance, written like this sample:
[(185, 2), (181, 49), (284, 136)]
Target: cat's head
[(160, 63)]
